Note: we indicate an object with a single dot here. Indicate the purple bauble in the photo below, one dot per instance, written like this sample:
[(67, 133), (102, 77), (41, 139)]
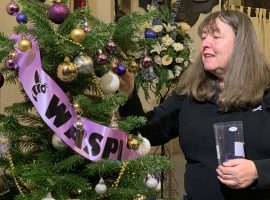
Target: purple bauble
[(111, 46), (21, 18), (101, 59), (11, 63), (146, 61), (58, 12), (120, 70), (149, 33), (12, 8), (1, 80)]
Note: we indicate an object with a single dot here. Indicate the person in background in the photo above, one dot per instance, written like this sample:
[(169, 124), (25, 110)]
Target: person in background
[(229, 81)]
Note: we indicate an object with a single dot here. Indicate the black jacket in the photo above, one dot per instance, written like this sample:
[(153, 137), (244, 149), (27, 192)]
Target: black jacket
[(193, 122)]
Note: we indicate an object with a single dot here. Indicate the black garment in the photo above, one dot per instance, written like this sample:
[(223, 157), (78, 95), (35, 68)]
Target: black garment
[(193, 122)]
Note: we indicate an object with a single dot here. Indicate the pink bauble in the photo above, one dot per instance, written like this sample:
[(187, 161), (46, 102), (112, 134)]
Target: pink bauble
[(58, 12), (12, 8)]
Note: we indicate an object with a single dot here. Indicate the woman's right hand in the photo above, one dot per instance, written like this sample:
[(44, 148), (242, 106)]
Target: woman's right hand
[(127, 83)]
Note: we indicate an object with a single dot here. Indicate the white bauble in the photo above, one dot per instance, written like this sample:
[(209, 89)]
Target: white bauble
[(109, 83), (151, 182), (101, 188), (48, 197), (158, 187), (58, 143), (144, 147)]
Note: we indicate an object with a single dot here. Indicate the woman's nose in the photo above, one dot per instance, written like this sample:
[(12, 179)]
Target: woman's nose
[(206, 42)]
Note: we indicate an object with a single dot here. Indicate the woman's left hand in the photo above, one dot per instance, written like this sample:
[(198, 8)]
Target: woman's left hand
[(237, 173)]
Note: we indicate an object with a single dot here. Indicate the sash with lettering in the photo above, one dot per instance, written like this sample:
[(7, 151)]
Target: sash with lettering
[(98, 141)]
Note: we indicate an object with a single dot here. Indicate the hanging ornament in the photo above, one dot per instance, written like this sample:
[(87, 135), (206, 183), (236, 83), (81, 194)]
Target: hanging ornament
[(133, 143), (151, 182), (146, 61), (101, 58), (86, 27), (1, 79), (57, 143), (144, 147), (77, 34), (3, 183), (4, 143), (79, 132), (140, 197), (150, 34), (79, 3), (133, 66), (111, 46), (24, 44), (48, 197), (109, 83), (114, 124), (67, 71), (11, 63), (158, 186), (101, 188), (120, 70), (148, 74), (77, 108), (84, 64), (21, 18), (58, 12), (12, 8)]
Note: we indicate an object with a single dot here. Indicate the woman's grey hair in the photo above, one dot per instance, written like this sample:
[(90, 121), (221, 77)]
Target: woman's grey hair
[(247, 75)]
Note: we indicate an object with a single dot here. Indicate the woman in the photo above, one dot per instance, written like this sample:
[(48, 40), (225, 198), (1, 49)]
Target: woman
[(228, 82)]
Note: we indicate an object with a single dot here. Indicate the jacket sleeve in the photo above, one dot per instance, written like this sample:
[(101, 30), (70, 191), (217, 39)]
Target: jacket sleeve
[(263, 170), (162, 121)]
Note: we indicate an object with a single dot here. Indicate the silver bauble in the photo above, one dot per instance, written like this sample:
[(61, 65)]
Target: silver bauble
[(144, 147), (151, 182), (58, 143), (109, 83), (101, 188), (84, 64)]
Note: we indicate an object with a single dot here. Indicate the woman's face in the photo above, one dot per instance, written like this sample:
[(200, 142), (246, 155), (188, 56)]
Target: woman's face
[(216, 48)]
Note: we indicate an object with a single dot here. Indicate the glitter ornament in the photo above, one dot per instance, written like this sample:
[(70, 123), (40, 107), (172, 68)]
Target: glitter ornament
[(148, 74), (150, 34), (2, 80), (144, 147), (58, 143), (58, 12), (120, 70), (133, 143), (146, 61), (133, 66), (24, 44), (151, 182), (111, 46), (101, 58), (109, 83), (77, 34), (21, 18), (84, 64), (101, 188), (67, 71), (12, 8), (86, 27)]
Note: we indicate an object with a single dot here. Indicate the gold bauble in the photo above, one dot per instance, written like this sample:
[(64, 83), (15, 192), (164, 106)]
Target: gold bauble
[(77, 108), (133, 143), (133, 66), (77, 34), (67, 71), (140, 197), (24, 44)]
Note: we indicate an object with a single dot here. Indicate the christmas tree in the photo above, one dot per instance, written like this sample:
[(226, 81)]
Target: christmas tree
[(66, 140)]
